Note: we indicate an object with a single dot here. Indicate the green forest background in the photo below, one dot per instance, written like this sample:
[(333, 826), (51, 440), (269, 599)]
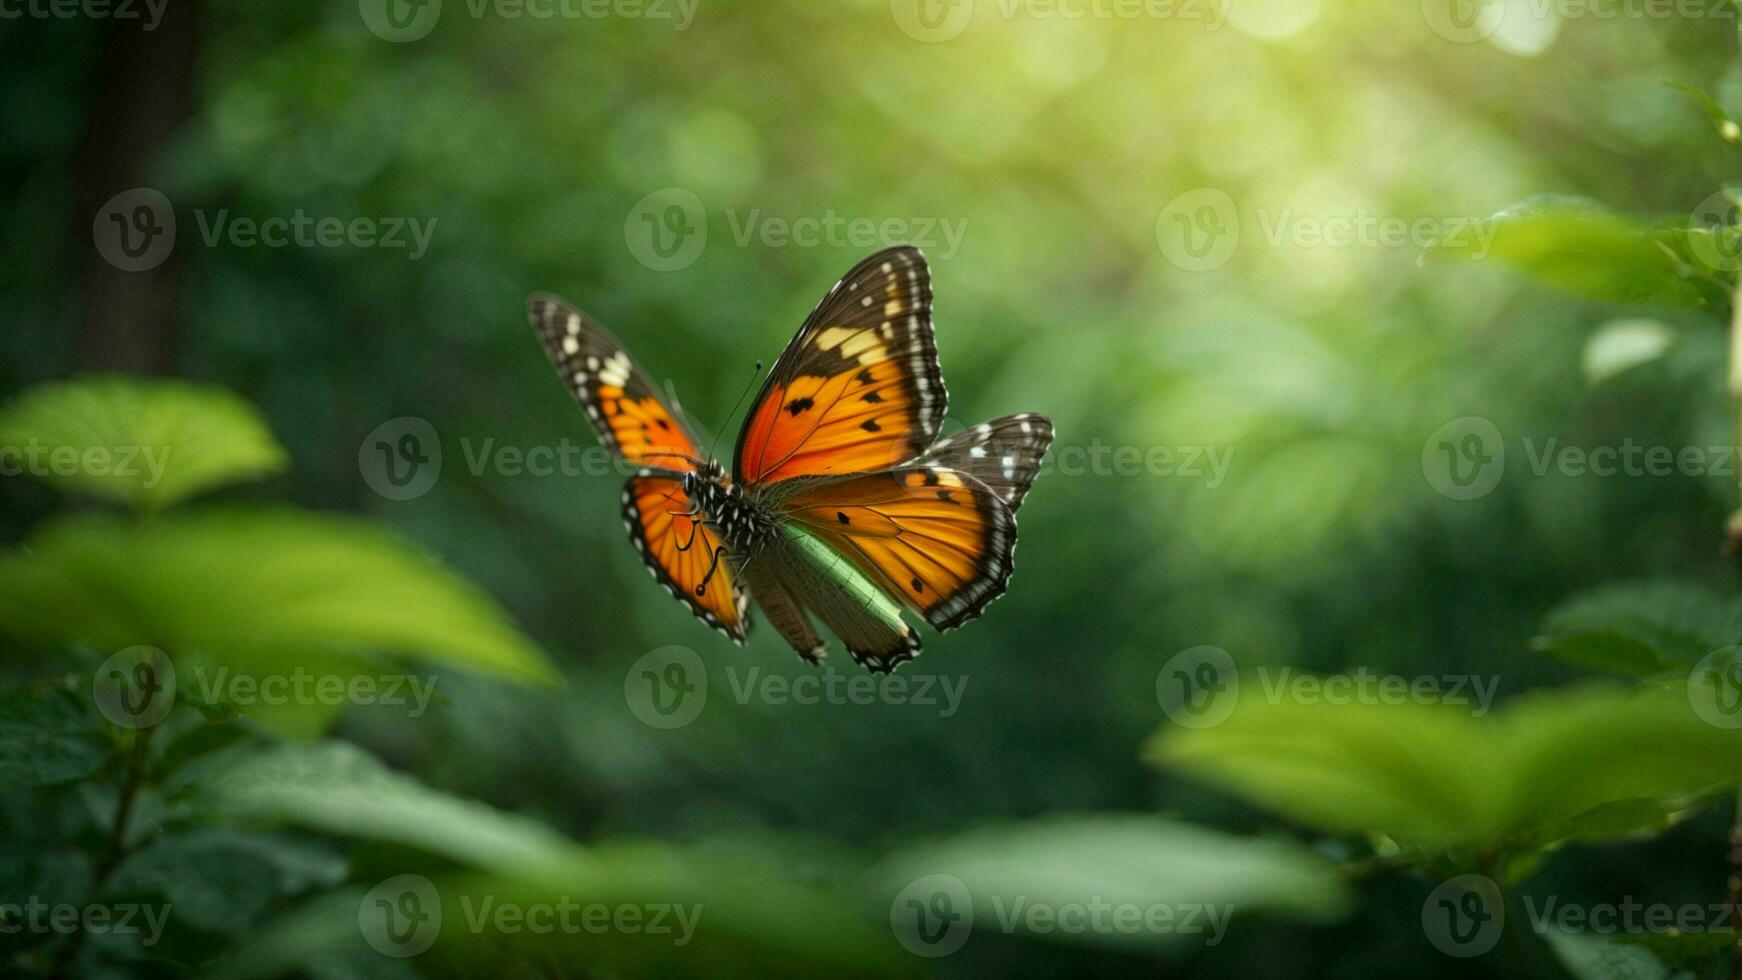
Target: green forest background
[(1326, 242)]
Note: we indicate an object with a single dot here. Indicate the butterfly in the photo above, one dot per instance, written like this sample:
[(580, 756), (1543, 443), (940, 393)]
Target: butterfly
[(843, 503)]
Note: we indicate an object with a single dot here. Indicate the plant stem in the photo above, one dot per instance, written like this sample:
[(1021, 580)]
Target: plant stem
[(1735, 883), (132, 777)]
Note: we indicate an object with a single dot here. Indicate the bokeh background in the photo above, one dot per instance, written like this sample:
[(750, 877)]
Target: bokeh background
[(645, 167)]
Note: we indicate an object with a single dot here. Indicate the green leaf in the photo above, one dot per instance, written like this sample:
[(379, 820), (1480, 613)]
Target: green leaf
[(1122, 861), (221, 880), (262, 592), (751, 920), (337, 788), (146, 443), (1581, 247), (1594, 957), (1642, 628), (1681, 949), (1549, 766), (49, 737), (1721, 120)]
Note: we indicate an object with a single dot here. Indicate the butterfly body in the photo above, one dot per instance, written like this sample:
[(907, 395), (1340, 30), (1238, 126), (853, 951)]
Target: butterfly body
[(843, 503)]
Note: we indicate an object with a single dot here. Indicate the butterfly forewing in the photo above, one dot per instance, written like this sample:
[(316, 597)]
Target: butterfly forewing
[(621, 399), (858, 388)]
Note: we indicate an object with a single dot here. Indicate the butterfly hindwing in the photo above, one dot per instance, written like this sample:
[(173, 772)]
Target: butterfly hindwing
[(937, 540), (621, 400), (1004, 454), (679, 551), (858, 388)]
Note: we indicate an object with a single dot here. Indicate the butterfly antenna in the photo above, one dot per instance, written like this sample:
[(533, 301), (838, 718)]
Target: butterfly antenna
[(757, 373)]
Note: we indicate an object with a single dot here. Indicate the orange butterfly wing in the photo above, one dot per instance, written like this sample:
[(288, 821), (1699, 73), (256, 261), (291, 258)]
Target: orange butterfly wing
[(681, 553), (632, 419), (937, 539), (619, 396), (858, 388)]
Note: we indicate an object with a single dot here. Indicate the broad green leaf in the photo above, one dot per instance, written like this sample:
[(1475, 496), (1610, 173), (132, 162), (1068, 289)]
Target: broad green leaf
[(1642, 628), (147, 443), (748, 920), (1596, 957), (1548, 766), (1581, 247), (1681, 949), (49, 737), (262, 592), (221, 880), (1019, 876), (337, 788), (1623, 344)]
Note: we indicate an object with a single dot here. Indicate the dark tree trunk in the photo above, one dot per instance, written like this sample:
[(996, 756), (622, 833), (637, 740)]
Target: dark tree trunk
[(142, 93)]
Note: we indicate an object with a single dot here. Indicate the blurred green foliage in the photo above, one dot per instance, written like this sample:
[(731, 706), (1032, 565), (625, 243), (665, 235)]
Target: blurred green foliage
[(1320, 372)]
